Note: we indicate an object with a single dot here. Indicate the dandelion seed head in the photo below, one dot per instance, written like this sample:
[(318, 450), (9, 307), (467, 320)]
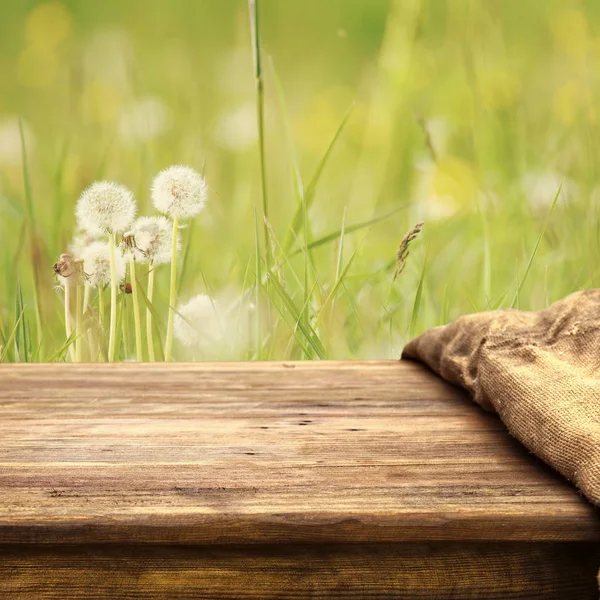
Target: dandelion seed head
[(81, 240), (105, 207), (215, 326), (153, 240), (196, 322), (179, 192), (96, 264)]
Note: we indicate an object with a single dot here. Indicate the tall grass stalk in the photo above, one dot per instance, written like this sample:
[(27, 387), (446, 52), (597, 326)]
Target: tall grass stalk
[(136, 311), (260, 116), (149, 296), (520, 282), (172, 295)]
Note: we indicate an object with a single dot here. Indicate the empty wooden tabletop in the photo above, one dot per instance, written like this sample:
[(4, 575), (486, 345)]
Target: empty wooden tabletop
[(244, 453)]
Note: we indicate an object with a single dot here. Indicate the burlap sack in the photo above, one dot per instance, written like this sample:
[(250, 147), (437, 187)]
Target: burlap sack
[(540, 371)]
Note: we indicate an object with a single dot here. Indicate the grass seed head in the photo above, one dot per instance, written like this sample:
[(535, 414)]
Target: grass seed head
[(105, 207), (179, 192), (404, 248)]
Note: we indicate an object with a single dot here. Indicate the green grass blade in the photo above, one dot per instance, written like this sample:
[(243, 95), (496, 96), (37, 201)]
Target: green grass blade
[(260, 114), (296, 336), (308, 332), (497, 303), (59, 199), (2, 330), (337, 283), (417, 303), (330, 237), (26, 179), (535, 248), (38, 313), (258, 287), (34, 237), (284, 256), (298, 182), (11, 339), (23, 337), (60, 354), (311, 188), (341, 248), (157, 320), (186, 255), (304, 314)]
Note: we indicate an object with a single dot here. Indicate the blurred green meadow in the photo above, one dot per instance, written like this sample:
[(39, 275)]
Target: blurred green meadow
[(468, 115)]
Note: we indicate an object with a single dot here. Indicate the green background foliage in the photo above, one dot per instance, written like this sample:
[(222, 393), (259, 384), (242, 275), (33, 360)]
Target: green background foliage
[(466, 114)]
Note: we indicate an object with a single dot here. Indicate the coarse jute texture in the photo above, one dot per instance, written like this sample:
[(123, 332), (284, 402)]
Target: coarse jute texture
[(540, 371)]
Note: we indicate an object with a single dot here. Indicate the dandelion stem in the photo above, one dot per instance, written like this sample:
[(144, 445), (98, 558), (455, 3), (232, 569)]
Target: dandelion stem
[(136, 312), (124, 321), (101, 334), (78, 304), (172, 294), (68, 327), (112, 336), (260, 116), (87, 290), (101, 306), (149, 295), (86, 297)]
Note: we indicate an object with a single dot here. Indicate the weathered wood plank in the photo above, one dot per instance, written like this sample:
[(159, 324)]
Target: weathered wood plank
[(441, 571), (265, 453)]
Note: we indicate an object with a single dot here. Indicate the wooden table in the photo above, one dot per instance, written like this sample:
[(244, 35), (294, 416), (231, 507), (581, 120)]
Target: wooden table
[(275, 480)]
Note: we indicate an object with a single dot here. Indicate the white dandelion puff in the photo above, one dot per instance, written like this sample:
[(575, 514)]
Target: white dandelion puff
[(179, 192), (105, 207), (96, 264), (153, 240), (197, 322), (215, 326), (81, 240)]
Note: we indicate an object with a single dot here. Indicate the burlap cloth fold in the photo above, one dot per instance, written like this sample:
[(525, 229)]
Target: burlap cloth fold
[(540, 371)]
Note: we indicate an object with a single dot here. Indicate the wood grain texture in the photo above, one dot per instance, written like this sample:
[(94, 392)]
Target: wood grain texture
[(295, 480), (433, 571), (371, 452), (265, 453)]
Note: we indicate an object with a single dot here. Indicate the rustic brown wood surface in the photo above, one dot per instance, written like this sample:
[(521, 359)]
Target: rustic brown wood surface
[(282, 457), (440, 571)]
